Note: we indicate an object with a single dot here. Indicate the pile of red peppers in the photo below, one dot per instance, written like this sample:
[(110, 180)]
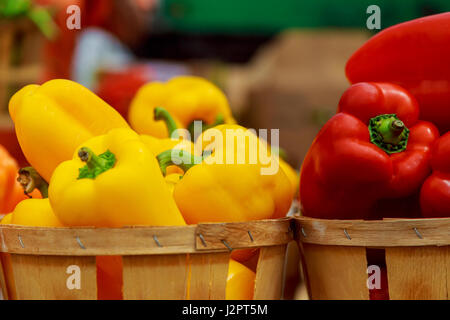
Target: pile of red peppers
[(386, 152)]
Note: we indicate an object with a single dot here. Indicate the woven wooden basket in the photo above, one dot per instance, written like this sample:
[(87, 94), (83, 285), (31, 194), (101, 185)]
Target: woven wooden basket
[(35, 260), (417, 256)]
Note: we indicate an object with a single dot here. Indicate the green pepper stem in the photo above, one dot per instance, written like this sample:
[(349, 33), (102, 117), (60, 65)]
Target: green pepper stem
[(95, 165), (175, 157), (162, 114), (389, 133), (30, 179), (218, 121), (92, 160)]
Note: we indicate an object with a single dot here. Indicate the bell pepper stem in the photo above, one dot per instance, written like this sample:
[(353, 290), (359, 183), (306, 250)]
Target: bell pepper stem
[(218, 121), (162, 114), (389, 133), (30, 179), (180, 158), (95, 165)]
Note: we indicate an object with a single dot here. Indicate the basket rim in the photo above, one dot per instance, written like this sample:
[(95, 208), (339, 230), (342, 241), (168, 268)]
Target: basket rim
[(145, 240), (396, 232)]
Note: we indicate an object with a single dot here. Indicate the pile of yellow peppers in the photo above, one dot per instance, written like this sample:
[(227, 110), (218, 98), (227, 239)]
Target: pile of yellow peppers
[(94, 169)]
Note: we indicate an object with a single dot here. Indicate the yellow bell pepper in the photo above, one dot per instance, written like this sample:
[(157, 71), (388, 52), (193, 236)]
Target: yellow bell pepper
[(241, 147), (51, 120), (113, 180), (292, 175), (6, 219), (215, 192), (35, 213), (187, 98), (172, 180), (240, 282)]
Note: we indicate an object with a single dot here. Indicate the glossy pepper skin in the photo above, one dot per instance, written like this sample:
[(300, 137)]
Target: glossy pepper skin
[(11, 193), (35, 213), (113, 181), (435, 193), (345, 174), (51, 120), (214, 192), (187, 98), (240, 282), (291, 174), (241, 147), (413, 54)]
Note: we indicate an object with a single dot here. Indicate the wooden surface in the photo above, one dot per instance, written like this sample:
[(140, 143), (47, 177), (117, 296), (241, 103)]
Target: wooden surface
[(238, 235), (45, 277), (208, 276), (335, 272), (3, 288), (142, 240), (386, 233), (161, 277), (418, 273), (8, 287), (270, 273)]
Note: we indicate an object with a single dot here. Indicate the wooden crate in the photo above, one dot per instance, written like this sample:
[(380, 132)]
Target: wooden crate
[(21, 59), (188, 262), (417, 257), (21, 63)]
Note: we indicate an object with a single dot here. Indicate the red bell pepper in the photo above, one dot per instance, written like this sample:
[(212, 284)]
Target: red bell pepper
[(435, 193), (415, 55), (374, 149)]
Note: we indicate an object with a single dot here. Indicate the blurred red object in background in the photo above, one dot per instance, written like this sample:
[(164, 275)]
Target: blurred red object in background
[(118, 88), (59, 52)]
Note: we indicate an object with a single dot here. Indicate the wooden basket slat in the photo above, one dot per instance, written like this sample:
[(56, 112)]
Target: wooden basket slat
[(448, 272), (238, 235), (97, 241), (9, 287), (208, 275), (417, 273), (3, 278), (270, 273), (335, 272), (154, 277), (143, 240), (45, 277), (385, 233)]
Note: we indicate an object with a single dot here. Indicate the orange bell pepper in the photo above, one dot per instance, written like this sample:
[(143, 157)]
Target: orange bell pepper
[(11, 193)]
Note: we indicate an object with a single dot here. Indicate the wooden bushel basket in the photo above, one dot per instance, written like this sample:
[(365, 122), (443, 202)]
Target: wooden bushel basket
[(158, 262), (417, 256)]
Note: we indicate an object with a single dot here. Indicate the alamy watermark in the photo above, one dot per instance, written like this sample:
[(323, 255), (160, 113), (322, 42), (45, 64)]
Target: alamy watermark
[(374, 279), (231, 146), (374, 20), (74, 279), (74, 20)]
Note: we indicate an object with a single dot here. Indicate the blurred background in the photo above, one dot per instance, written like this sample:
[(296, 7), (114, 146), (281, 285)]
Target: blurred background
[(280, 63)]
